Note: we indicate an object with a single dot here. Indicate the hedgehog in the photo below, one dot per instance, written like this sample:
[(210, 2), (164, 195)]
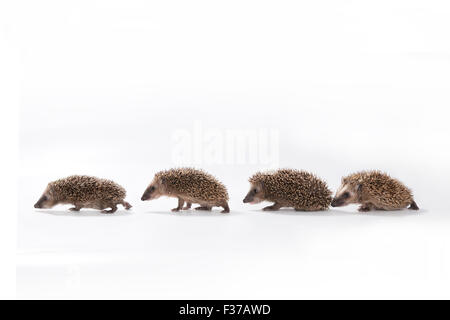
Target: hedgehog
[(188, 185), (84, 192), (374, 190), (300, 190)]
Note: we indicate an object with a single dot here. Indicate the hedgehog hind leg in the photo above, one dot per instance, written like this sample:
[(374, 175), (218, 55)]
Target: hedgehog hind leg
[(311, 209), (413, 206), (76, 208), (204, 208), (226, 208), (126, 205)]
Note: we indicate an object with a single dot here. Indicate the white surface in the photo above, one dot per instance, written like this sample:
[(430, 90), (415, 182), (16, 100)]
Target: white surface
[(346, 85), (9, 138)]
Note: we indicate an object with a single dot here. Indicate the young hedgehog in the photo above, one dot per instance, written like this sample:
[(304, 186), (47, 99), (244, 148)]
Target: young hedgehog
[(190, 186), (289, 188), (373, 190), (84, 192)]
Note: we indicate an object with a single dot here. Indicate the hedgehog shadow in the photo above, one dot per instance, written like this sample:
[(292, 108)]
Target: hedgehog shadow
[(293, 212), (195, 213), (334, 212), (392, 213), (86, 213)]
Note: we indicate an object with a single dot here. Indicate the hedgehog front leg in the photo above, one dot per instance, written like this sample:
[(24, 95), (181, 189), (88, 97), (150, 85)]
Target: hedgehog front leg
[(180, 205), (365, 207), (274, 207), (188, 206), (113, 209), (76, 208)]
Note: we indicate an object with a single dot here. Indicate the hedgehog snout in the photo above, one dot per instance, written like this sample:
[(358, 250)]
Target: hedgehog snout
[(146, 196), (40, 202), (337, 202), (248, 198)]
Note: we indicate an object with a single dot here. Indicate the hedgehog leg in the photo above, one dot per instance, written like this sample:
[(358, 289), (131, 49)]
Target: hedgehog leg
[(188, 206), (206, 208), (76, 208), (226, 208), (274, 207), (413, 206), (113, 209), (309, 209), (365, 207), (126, 205), (180, 205)]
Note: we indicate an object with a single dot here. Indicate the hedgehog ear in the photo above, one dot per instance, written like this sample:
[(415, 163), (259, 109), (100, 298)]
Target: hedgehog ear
[(359, 188), (261, 184)]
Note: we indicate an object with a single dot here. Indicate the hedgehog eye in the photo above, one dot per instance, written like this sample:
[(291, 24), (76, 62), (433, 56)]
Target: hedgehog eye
[(346, 195), (255, 191), (152, 188)]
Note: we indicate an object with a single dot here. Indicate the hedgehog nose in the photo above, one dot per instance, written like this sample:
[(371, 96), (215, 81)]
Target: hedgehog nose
[(333, 203), (36, 206)]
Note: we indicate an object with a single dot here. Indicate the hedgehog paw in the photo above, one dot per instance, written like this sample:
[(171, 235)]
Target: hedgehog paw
[(126, 205), (271, 208), (109, 211), (226, 208), (413, 206), (187, 206), (364, 208), (175, 209), (75, 209), (203, 208)]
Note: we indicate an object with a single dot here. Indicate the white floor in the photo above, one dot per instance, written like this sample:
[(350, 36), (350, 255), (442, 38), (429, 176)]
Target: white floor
[(150, 252)]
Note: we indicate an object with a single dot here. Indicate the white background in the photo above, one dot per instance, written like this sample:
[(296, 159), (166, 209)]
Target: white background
[(348, 85)]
